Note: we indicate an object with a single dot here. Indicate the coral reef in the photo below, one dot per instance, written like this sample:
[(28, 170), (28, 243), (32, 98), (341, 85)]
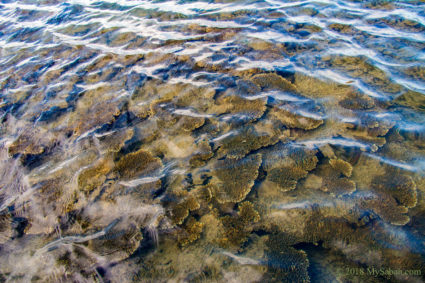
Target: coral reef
[(238, 143), (192, 230), (233, 179), (239, 107), (285, 169), (401, 187), (272, 81), (342, 166), (285, 264), (242, 141), (91, 178), (181, 210), (136, 163), (237, 228), (293, 120)]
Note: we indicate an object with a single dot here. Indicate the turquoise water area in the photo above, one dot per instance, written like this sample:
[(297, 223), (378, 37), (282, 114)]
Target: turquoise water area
[(212, 141)]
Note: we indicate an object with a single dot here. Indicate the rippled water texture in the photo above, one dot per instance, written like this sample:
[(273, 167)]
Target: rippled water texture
[(212, 141)]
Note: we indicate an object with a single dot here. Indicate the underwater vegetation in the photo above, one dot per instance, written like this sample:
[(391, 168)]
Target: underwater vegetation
[(229, 141)]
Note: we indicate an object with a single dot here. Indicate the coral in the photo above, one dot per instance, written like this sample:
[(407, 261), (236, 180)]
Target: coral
[(411, 99), (50, 190), (289, 155), (136, 163), (241, 142), (163, 110), (197, 97), (391, 192), (359, 67), (286, 165), (286, 177), (200, 158), (342, 166), (338, 186), (89, 114), (182, 209), (332, 181), (379, 5), (401, 187), (272, 128), (26, 144), (118, 243), (342, 28), (192, 230), (285, 263), (202, 153), (272, 81), (293, 120), (189, 123), (357, 102), (113, 142), (312, 87), (370, 127), (327, 151), (233, 179), (237, 228), (398, 22), (247, 214), (386, 207), (6, 231), (247, 88), (417, 72), (239, 107), (91, 178), (304, 158)]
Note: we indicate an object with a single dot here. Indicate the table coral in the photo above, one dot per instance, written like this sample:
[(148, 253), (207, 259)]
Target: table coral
[(136, 163), (233, 179)]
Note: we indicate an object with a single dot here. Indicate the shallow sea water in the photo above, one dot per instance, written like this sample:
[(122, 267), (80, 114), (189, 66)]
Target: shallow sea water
[(212, 141)]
